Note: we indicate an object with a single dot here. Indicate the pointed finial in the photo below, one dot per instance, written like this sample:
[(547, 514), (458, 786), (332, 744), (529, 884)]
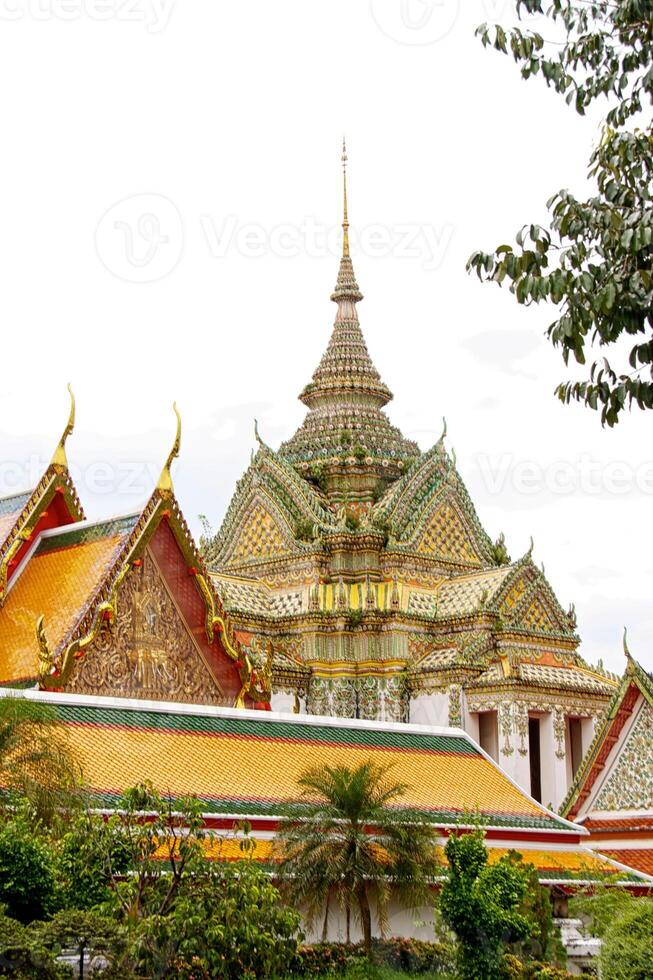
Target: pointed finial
[(258, 436), (530, 549), (625, 641), (345, 217), (165, 480), (59, 456)]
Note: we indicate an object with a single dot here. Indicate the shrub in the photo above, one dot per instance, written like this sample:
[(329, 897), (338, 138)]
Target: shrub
[(27, 883), (412, 956), (482, 903), (627, 952), (22, 956)]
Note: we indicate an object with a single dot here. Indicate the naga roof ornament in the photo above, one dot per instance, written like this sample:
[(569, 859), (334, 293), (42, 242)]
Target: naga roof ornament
[(165, 480), (59, 458)]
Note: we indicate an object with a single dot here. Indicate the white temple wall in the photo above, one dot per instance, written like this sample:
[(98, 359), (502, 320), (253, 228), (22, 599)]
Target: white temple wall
[(418, 924), (285, 701), (430, 709)]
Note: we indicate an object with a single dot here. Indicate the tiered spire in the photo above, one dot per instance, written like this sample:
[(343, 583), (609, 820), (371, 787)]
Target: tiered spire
[(346, 394)]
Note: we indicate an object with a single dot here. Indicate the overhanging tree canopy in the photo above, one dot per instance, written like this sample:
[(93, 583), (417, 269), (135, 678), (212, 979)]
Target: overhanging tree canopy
[(595, 261)]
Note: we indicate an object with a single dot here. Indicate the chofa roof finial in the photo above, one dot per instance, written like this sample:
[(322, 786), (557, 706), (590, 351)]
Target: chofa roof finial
[(59, 456), (625, 642), (165, 480), (260, 441)]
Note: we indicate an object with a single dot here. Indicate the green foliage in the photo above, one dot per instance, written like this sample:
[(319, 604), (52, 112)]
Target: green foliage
[(355, 618), (515, 969), (543, 942), (354, 843), (359, 453), (352, 521), (27, 882), (627, 951), (319, 476), (160, 851), (379, 490), (305, 530), (595, 261), (411, 956), (228, 922), (345, 437), (482, 904), (90, 850), (36, 762), (600, 907), (87, 933), (23, 956)]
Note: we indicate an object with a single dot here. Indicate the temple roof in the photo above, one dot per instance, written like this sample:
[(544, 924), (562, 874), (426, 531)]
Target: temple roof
[(249, 762), (616, 774), (57, 581), (53, 502)]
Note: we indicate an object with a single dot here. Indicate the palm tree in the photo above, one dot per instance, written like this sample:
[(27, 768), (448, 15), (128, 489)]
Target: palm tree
[(347, 838), (36, 762)]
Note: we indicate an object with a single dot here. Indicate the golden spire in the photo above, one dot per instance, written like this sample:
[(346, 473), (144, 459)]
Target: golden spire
[(165, 480), (59, 455), (345, 218)]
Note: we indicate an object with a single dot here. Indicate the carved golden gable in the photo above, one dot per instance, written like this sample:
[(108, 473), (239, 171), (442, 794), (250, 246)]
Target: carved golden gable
[(149, 651), (260, 537), (447, 537)]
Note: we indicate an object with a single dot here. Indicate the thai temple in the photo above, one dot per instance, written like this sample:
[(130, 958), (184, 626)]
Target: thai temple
[(350, 607), (356, 564), (117, 607)]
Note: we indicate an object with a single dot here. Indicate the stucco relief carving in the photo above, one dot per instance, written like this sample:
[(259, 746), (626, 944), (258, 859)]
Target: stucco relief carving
[(148, 653)]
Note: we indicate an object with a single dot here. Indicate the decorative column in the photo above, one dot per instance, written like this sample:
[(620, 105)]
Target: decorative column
[(553, 755), (513, 747)]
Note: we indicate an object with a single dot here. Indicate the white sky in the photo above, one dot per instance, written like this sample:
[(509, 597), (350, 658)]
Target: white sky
[(170, 172)]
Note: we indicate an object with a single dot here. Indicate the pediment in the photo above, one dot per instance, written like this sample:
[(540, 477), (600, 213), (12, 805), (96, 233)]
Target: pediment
[(150, 651), (446, 533), (529, 603), (624, 786), (259, 534)]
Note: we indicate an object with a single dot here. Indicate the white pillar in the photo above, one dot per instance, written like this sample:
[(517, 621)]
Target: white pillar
[(513, 757), (553, 758)]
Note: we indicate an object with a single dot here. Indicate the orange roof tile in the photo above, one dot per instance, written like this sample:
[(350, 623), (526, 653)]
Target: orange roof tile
[(618, 824), (58, 581), (641, 859), (250, 762)]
